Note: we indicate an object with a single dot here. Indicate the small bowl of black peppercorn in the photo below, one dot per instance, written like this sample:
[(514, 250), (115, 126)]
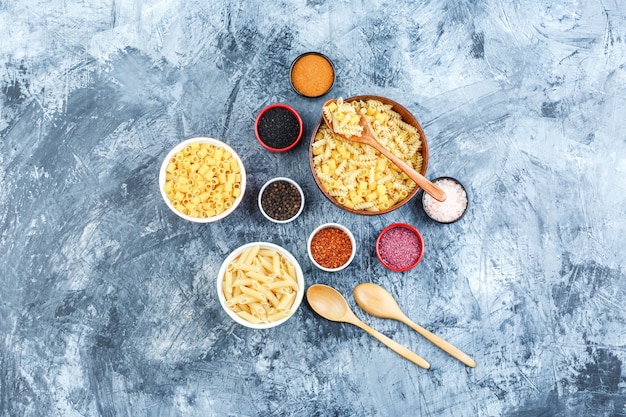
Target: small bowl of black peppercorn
[(281, 200), (278, 127)]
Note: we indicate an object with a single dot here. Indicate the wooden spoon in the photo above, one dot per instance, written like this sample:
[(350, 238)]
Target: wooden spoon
[(330, 304), (368, 138), (378, 302)]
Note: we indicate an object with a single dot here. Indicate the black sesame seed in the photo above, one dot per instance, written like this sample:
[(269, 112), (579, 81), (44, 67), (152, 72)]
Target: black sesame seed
[(278, 128), (281, 200)]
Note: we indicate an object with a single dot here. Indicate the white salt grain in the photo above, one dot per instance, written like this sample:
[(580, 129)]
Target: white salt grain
[(452, 208)]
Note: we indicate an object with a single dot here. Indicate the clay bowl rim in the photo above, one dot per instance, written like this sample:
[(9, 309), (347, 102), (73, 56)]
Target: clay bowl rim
[(408, 117)]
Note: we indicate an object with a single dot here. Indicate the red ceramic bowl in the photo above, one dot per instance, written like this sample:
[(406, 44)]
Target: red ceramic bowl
[(276, 123), (399, 247)]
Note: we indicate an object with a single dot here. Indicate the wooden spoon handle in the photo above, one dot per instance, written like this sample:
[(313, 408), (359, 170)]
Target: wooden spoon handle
[(393, 345), (442, 344), (428, 187)]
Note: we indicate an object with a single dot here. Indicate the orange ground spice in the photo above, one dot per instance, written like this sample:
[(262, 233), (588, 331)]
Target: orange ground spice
[(312, 75), (331, 247)]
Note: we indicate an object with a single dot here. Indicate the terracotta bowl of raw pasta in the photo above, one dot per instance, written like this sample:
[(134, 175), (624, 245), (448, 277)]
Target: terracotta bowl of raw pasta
[(202, 180), (341, 188), (260, 285)]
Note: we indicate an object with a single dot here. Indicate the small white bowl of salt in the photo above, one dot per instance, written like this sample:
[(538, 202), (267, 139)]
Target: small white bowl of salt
[(453, 207)]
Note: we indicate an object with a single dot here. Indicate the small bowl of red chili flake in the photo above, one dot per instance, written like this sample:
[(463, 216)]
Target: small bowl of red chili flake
[(331, 247), (399, 247)]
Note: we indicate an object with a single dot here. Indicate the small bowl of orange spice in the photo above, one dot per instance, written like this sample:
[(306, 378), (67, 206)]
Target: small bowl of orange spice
[(312, 74), (331, 247)]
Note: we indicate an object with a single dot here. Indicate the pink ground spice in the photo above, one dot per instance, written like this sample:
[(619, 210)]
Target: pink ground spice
[(399, 247)]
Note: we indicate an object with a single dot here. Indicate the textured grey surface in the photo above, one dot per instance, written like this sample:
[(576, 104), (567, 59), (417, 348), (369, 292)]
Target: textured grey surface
[(108, 306)]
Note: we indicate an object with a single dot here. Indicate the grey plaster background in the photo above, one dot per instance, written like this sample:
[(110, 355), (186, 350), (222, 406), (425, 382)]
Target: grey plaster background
[(107, 300)]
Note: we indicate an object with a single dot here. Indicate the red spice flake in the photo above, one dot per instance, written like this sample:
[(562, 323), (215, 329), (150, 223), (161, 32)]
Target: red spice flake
[(331, 247), (399, 247)]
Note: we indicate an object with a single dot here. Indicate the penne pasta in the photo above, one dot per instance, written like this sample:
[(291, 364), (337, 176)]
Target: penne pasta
[(249, 254), (249, 317), (280, 284), (271, 297), (253, 293), (286, 301), (279, 314), (260, 285)]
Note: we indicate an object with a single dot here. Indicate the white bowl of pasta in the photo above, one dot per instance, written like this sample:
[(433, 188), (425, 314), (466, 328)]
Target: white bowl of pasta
[(260, 285), (356, 177), (202, 180)]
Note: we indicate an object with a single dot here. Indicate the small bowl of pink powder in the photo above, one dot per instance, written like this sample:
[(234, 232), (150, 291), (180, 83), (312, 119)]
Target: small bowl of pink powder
[(399, 247)]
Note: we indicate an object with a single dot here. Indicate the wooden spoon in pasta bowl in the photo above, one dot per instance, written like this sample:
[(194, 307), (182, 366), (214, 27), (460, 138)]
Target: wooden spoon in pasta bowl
[(367, 137)]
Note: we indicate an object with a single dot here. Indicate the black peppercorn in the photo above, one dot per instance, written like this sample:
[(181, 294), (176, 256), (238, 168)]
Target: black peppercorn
[(278, 128), (281, 200)]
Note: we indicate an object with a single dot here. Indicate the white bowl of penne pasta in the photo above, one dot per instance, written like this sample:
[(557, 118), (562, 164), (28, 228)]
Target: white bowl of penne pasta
[(260, 285), (202, 180), (356, 177)]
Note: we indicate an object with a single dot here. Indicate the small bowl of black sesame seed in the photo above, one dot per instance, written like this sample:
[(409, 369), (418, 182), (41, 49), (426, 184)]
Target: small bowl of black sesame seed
[(281, 200), (278, 127)]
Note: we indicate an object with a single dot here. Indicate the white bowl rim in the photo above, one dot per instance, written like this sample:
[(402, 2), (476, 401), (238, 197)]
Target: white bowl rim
[(236, 252), (213, 141), (289, 180), (325, 226)]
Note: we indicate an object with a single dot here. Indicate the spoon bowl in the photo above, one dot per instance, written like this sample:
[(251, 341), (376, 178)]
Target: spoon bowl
[(378, 302), (367, 137), (330, 304)]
